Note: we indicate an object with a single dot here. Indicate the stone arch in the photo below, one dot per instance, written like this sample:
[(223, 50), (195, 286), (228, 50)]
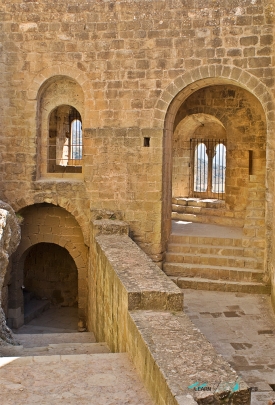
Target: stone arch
[(45, 223), (55, 92), (183, 86), (192, 122), (182, 161), (174, 96), (59, 201), (46, 75)]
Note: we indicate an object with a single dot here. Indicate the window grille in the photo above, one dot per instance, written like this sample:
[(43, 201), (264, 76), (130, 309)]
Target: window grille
[(65, 141), (208, 168)]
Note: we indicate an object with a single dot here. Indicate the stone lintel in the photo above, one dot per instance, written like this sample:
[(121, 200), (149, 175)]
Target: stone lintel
[(184, 362), (146, 285)]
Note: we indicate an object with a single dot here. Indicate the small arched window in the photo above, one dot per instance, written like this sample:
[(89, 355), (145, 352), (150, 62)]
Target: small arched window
[(65, 140), (76, 140), (219, 168), (200, 168)]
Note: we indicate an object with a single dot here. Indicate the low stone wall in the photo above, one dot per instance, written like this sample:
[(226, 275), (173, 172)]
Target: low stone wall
[(135, 308)]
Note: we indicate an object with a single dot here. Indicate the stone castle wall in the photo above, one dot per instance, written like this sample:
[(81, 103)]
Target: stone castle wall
[(127, 66)]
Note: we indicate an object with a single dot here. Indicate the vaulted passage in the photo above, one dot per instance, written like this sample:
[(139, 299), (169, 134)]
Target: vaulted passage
[(50, 273), (218, 149)]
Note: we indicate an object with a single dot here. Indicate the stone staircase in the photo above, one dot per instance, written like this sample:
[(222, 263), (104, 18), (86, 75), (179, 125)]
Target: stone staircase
[(207, 211), (54, 344), (67, 369), (215, 263)]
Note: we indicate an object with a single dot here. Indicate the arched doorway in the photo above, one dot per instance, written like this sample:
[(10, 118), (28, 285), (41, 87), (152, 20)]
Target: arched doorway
[(218, 156), (51, 239), (243, 120)]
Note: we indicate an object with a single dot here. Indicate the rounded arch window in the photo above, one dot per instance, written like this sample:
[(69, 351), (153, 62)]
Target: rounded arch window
[(200, 168), (65, 140), (219, 168)]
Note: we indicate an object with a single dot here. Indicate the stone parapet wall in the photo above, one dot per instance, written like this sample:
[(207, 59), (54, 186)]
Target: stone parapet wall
[(136, 308), (172, 355), (122, 278)]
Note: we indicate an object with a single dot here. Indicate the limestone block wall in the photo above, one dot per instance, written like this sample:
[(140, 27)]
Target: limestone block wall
[(50, 272), (131, 60), (51, 225)]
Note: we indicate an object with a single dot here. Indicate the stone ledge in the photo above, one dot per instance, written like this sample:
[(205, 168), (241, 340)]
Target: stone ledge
[(146, 285), (110, 227), (172, 354)]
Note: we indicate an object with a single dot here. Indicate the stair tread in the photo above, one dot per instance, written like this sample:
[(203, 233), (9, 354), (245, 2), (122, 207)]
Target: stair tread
[(185, 208), (208, 280), (195, 245), (206, 237), (251, 259), (205, 218), (213, 267), (36, 340), (54, 349)]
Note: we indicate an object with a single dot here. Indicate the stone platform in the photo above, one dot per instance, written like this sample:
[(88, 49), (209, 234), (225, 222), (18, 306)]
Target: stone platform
[(241, 327)]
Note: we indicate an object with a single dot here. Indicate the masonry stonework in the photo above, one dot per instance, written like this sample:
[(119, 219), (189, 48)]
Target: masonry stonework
[(144, 77)]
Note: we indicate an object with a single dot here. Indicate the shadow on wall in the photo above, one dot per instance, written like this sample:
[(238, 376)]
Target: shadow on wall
[(50, 273)]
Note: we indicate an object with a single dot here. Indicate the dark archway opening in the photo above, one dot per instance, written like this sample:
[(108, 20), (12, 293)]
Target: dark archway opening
[(50, 279)]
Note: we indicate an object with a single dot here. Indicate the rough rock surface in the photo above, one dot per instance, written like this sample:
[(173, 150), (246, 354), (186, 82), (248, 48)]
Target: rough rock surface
[(9, 240)]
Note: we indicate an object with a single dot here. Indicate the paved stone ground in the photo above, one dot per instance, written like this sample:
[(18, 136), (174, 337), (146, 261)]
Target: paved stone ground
[(241, 327), (60, 366), (196, 229)]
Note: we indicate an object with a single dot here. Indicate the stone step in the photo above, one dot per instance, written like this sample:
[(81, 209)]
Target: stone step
[(197, 283), (215, 260), (54, 349), (35, 308), (208, 219), (206, 240), (198, 202), (212, 272), (215, 250), (180, 209), (44, 339)]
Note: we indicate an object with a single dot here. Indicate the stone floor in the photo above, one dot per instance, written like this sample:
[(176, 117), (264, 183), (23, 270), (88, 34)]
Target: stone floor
[(195, 229), (56, 365), (241, 327), (53, 320)]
